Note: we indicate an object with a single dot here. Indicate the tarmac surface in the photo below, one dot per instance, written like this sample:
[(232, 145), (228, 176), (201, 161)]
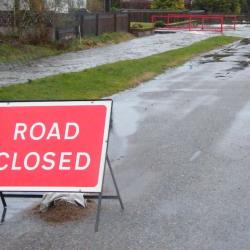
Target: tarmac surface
[(180, 151)]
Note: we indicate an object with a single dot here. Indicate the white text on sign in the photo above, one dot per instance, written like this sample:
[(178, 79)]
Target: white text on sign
[(46, 161)]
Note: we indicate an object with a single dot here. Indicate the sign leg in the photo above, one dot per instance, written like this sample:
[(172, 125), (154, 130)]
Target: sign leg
[(98, 212), (4, 207), (115, 184), (3, 200)]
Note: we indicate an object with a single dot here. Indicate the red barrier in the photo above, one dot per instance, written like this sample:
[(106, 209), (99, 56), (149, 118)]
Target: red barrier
[(216, 23)]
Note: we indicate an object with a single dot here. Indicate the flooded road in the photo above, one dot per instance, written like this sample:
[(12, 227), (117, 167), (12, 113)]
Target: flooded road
[(180, 150), (77, 61)]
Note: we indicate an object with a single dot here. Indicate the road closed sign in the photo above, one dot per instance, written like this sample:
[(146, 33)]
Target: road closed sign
[(53, 146)]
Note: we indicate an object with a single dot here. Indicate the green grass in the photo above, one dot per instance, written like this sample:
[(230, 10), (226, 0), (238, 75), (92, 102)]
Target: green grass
[(141, 25), (108, 79), (22, 53), (16, 52), (98, 41)]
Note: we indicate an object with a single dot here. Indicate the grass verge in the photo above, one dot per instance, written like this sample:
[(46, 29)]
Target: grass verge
[(108, 79), (98, 41), (16, 52), (21, 53), (141, 25)]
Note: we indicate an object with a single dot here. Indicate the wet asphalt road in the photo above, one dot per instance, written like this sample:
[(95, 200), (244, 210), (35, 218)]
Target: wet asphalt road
[(180, 149)]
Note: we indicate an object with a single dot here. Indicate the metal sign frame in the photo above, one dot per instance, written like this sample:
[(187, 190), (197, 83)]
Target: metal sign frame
[(94, 193)]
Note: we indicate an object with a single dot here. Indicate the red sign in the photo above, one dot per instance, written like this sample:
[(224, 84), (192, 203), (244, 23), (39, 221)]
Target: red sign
[(53, 146)]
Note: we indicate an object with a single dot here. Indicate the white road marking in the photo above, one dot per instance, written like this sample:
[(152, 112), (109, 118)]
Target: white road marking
[(195, 155), (235, 143)]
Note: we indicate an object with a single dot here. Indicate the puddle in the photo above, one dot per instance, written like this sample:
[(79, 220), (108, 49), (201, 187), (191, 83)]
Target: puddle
[(232, 59), (245, 41), (247, 55), (214, 58), (220, 76), (217, 56), (241, 66), (164, 32)]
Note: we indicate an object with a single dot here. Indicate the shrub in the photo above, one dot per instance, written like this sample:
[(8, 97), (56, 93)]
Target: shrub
[(159, 24)]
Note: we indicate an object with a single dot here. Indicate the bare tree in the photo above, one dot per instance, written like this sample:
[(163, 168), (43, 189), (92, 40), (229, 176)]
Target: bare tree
[(37, 5)]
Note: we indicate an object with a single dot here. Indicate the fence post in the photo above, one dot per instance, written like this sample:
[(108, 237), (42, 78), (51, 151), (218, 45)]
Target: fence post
[(222, 24), (97, 24), (129, 18), (115, 22), (81, 23)]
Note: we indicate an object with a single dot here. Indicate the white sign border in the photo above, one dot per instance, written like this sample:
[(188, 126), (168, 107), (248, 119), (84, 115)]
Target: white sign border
[(108, 103)]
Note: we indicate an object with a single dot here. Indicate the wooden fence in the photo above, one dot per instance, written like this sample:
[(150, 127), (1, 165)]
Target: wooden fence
[(97, 24), (84, 24), (70, 25)]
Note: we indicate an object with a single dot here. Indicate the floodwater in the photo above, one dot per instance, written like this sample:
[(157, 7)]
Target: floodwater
[(77, 61)]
